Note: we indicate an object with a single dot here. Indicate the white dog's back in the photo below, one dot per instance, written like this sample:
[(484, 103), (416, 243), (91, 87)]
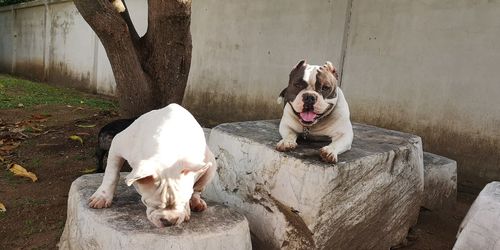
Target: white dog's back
[(165, 134)]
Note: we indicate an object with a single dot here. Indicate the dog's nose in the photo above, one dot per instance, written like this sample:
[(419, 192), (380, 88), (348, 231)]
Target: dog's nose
[(309, 98), (166, 222)]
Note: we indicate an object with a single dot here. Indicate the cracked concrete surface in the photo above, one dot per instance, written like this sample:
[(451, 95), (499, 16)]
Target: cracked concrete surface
[(124, 225), (293, 200)]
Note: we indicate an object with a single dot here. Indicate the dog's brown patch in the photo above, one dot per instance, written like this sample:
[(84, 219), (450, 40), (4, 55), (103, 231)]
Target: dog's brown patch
[(296, 82), (326, 82)]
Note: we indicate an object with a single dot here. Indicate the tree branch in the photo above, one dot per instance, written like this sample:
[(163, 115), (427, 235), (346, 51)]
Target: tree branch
[(168, 47), (115, 36), (133, 32)]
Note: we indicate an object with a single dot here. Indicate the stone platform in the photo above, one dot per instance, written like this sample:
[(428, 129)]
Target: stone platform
[(124, 225), (440, 182), (480, 228), (293, 200)]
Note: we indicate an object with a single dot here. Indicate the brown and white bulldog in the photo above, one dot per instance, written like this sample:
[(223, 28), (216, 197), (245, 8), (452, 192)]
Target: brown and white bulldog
[(315, 106), (171, 164)]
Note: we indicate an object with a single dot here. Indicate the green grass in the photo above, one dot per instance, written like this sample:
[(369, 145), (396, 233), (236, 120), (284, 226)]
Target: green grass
[(34, 163), (30, 202), (10, 178), (15, 92)]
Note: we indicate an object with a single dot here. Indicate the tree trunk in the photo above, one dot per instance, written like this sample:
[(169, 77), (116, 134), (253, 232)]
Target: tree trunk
[(150, 71)]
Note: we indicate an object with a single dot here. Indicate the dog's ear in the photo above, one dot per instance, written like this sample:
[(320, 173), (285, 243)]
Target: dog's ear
[(329, 66), (143, 173), (300, 64), (281, 97), (196, 168)]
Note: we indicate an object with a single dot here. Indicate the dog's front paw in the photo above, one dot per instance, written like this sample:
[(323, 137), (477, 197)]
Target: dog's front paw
[(101, 198), (197, 204), (286, 145), (328, 154)]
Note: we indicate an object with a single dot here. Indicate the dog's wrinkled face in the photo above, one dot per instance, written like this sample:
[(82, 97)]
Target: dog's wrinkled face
[(312, 91), (166, 193)]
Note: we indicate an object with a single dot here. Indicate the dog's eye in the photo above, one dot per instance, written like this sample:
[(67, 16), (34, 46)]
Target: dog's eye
[(326, 88)]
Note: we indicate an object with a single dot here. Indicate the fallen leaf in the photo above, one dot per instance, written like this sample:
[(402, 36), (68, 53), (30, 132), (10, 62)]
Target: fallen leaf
[(76, 138), (10, 147), (17, 130), (89, 170), (2, 207), (18, 170), (85, 125), (83, 133), (34, 128), (2, 159), (40, 117)]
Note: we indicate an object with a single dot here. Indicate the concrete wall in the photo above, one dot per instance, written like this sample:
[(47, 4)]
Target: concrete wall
[(431, 68), (49, 41), (427, 67), (244, 50)]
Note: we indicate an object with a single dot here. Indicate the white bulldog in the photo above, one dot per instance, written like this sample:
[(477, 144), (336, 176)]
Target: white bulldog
[(171, 165), (315, 106)]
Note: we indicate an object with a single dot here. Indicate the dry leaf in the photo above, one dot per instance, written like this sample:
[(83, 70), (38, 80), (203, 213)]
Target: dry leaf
[(18, 170), (40, 117), (2, 159), (36, 129), (10, 147), (76, 138), (85, 125), (2, 207), (17, 129), (89, 170)]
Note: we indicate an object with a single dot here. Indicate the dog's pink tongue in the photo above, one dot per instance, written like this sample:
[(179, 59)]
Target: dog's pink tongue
[(308, 116)]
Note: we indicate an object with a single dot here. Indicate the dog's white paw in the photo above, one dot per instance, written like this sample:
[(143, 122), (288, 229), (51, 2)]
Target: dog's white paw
[(328, 154), (286, 145), (101, 198), (197, 204)]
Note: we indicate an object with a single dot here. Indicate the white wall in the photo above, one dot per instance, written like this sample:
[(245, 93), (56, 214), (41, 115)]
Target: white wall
[(6, 42), (29, 41), (244, 50), (427, 67), (50, 41), (430, 67)]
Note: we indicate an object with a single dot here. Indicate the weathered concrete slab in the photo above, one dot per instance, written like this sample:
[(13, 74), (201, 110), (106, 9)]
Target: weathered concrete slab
[(207, 133), (480, 228), (292, 200), (124, 225), (440, 182)]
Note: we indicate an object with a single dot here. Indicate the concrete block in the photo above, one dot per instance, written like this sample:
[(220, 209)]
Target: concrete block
[(293, 200), (207, 133), (124, 225), (480, 228), (440, 182)]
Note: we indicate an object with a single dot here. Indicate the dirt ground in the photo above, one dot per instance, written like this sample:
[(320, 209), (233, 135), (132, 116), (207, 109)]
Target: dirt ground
[(36, 211)]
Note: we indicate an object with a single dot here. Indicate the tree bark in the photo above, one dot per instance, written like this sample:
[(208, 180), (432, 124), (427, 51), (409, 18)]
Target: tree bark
[(150, 71)]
